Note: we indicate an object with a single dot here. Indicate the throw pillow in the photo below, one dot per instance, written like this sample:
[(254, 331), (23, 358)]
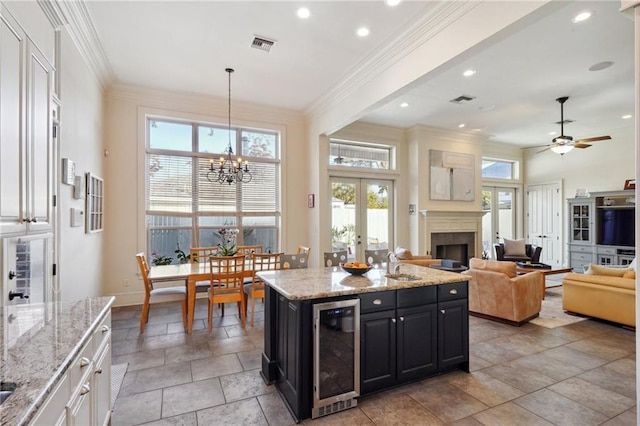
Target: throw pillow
[(403, 253), (605, 270), (630, 274), (514, 248), (632, 265)]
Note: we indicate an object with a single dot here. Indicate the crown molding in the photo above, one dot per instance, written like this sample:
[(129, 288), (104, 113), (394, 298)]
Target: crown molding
[(424, 27), (77, 19)]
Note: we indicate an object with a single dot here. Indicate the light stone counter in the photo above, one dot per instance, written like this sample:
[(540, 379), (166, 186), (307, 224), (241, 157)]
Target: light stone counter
[(316, 283), (37, 344)]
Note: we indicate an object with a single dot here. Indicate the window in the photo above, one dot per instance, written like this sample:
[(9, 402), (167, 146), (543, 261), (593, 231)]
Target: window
[(354, 154), (184, 209), (95, 204), (498, 169)]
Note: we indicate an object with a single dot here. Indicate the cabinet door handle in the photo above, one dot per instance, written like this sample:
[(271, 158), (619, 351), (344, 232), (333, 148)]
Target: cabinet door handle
[(84, 361), (393, 320), (401, 318), (105, 328), (453, 291), (442, 310), (85, 389), (98, 371), (377, 302)]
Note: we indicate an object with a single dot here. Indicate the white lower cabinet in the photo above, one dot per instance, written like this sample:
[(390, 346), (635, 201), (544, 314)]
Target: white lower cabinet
[(83, 396)]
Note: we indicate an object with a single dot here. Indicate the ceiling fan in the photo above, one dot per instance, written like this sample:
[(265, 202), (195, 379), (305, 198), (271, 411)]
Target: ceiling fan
[(563, 143)]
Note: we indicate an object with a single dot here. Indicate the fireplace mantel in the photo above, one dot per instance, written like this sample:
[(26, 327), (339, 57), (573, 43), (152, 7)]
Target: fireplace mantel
[(438, 221)]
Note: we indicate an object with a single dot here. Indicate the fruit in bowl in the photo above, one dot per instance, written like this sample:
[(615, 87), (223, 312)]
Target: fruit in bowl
[(355, 267)]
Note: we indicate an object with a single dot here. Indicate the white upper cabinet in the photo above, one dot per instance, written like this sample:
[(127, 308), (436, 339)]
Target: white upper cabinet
[(26, 158)]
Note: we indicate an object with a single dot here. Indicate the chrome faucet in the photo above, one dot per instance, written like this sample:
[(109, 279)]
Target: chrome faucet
[(392, 258)]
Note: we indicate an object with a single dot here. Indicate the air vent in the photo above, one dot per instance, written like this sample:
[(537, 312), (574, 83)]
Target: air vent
[(262, 43), (462, 98)]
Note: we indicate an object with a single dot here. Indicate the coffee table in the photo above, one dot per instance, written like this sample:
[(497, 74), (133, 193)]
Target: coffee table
[(545, 272)]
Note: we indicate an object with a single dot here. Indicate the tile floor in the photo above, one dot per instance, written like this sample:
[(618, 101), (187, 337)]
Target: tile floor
[(580, 374)]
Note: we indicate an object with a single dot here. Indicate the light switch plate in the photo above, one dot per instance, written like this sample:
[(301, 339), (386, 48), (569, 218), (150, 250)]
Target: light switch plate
[(77, 217), (68, 171), (78, 188)]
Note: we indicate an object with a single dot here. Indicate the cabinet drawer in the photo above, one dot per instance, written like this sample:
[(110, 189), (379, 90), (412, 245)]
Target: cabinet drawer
[(417, 296), (607, 250), (452, 291), (582, 249), (581, 257), (101, 333), (81, 364), (379, 301)]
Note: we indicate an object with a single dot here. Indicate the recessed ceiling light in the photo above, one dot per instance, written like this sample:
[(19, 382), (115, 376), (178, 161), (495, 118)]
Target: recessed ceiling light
[(600, 66), (363, 31), (627, 116), (393, 3), (304, 13), (582, 16), (552, 133), (461, 125), (469, 73), (487, 108), (404, 105)]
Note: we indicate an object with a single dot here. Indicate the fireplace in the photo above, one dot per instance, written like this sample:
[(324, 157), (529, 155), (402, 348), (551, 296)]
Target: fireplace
[(453, 245), (451, 228)]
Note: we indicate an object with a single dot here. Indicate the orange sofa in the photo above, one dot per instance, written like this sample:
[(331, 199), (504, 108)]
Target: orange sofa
[(601, 295), (405, 256)]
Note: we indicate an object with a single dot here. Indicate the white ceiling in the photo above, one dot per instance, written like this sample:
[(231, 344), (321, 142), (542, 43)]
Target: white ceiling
[(185, 46)]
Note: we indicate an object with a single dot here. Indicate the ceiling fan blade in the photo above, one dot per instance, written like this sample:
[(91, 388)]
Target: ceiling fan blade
[(596, 139), (581, 145), (546, 149), (536, 146)]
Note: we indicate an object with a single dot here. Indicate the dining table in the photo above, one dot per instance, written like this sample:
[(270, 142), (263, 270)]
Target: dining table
[(190, 273)]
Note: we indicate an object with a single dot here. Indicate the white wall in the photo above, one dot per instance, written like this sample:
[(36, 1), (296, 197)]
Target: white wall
[(81, 255), (124, 181)]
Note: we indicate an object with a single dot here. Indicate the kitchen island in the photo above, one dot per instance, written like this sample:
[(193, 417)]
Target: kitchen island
[(411, 325), (56, 360)]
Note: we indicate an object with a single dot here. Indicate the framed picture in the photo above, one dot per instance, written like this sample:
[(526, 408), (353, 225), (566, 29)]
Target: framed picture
[(451, 176), (630, 184)]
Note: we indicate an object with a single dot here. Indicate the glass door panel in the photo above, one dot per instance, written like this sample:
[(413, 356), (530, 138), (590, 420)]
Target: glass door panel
[(498, 221), (361, 215)]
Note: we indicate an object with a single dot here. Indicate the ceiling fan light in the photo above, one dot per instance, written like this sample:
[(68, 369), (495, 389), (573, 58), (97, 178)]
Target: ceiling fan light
[(562, 149)]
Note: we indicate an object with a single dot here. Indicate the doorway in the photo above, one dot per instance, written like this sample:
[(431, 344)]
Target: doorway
[(361, 215), (499, 220), (544, 221)]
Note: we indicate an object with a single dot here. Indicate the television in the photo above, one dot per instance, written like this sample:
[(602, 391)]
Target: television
[(617, 227)]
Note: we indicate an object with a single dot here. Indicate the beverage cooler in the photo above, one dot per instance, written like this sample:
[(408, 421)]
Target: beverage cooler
[(27, 269), (336, 356)]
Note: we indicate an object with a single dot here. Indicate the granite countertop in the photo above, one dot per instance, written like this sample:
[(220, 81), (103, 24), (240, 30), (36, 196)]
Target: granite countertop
[(316, 283), (37, 344)]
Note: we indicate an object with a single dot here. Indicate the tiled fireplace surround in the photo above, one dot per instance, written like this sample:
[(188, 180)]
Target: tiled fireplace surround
[(447, 232)]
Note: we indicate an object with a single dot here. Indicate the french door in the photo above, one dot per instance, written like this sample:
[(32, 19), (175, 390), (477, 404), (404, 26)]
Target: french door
[(361, 215), (499, 220)]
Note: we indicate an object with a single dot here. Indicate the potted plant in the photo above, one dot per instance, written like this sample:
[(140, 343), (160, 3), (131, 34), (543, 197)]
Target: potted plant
[(228, 245)]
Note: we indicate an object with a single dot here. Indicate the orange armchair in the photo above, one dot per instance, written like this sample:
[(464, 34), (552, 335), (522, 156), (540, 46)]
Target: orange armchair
[(496, 292)]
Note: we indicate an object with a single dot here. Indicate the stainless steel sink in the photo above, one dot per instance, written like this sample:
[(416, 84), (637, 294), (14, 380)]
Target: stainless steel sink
[(6, 389), (402, 277)]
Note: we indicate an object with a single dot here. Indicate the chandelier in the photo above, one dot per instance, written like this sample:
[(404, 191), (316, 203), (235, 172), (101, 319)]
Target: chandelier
[(229, 170)]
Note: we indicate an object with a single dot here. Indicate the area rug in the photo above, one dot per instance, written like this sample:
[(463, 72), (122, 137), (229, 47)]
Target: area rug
[(117, 376), (552, 315)]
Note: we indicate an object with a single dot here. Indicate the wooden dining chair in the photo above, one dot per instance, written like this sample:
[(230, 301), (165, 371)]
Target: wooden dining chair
[(255, 289), (201, 255), (227, 274), (150, 293), (249, 250), (334, 258)]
